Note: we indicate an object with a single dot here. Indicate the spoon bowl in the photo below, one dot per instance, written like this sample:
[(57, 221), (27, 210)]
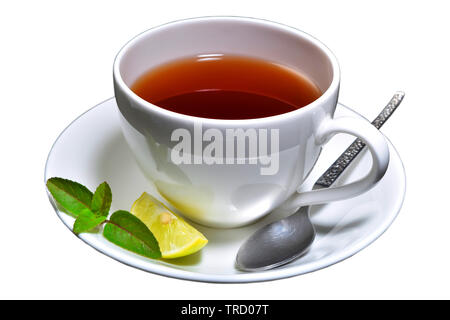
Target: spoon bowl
[(277, 243)]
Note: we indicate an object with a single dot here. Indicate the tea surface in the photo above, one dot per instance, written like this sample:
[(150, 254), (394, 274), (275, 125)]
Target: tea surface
[(226, 87)]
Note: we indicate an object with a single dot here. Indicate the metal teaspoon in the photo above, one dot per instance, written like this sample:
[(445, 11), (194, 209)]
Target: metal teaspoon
[(283, 241)]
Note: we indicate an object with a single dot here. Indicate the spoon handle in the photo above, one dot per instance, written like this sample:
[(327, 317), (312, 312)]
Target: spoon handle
[(339, 166)]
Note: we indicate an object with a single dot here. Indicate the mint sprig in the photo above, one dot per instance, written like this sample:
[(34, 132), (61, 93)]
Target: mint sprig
[(92, 210), (87, 221), (101, 201), (71, 196), (128, 232)]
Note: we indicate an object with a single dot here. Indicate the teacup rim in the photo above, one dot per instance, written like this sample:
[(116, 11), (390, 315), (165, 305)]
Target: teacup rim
[(332, 88)]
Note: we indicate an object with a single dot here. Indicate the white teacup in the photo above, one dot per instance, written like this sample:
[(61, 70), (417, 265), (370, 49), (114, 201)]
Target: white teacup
[(243, 188)]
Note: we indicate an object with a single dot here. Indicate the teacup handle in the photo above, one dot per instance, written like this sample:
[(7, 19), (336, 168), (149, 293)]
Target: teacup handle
[(379, 150)]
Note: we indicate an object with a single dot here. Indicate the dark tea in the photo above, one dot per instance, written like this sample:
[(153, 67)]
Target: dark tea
[(220, 86)]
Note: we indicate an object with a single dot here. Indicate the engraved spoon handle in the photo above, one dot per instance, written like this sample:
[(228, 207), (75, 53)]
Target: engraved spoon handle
[(336, 169)]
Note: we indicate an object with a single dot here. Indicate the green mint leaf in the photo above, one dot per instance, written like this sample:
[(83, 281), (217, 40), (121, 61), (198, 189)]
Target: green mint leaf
[(70, 195), (128, 232), (101, 201), (86, 221)]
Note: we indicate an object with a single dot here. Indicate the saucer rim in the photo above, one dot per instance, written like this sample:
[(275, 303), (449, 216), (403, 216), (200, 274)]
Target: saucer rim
[(240, 277)]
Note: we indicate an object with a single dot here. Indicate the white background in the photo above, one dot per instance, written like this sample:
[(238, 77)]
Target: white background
[(56, 62)]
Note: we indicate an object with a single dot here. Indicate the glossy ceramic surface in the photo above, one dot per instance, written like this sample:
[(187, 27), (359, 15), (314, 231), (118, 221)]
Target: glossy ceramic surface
[(233, 194), (92, 150)]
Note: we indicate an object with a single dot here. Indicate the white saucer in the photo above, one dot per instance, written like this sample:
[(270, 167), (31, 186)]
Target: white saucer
[(92, 150)]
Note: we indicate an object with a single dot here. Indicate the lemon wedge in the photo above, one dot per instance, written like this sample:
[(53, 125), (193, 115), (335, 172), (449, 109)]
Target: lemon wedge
[(176, 238)]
